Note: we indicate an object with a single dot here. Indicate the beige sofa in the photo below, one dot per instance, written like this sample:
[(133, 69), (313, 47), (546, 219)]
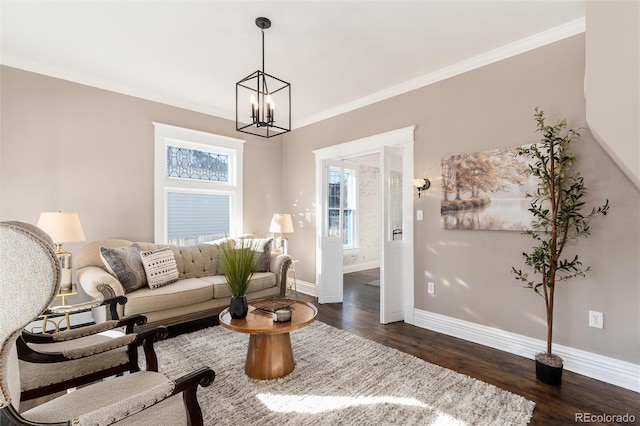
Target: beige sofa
[(200, 291)]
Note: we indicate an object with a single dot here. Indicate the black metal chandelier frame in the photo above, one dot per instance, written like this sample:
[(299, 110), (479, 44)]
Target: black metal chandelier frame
[(263, 87)]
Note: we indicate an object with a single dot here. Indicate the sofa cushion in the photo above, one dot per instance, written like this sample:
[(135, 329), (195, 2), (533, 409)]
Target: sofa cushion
[(181, 293), (159, 266), (126, 265), (200, 260), (259, 281), (195, 261)]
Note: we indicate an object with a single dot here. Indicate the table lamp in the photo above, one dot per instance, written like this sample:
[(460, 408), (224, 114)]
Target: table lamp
[(281, 223), (62, 227)]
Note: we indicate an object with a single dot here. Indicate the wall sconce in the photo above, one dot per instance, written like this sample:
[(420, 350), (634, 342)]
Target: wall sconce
[(421, 185)]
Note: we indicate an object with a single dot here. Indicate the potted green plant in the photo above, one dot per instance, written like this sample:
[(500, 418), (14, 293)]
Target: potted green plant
[(238, 264), (557, 207)]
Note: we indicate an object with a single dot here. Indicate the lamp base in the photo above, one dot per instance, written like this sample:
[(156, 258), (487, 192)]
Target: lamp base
[(65, 280), (281, 245), (65, 269)]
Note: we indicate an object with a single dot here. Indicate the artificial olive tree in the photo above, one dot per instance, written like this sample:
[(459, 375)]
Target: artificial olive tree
[(557, 207)]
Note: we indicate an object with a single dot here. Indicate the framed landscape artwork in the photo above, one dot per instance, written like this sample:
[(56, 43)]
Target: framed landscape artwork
[(486, 191)]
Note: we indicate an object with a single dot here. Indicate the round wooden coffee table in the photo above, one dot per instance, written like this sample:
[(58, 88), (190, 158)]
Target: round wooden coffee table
[(269, 355)]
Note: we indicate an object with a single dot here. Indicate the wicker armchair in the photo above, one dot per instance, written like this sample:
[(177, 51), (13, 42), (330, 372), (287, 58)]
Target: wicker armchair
[(28, 283)]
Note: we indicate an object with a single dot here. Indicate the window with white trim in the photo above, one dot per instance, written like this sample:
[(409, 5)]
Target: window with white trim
[(198, 185), (349, 223)]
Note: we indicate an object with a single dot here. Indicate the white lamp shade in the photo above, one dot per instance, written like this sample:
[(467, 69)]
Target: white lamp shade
[(281, 223), (62, 227)]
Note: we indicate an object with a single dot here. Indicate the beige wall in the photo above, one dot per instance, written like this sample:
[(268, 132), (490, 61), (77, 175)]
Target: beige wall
[(71, 147), (489, 108), (612, 84)]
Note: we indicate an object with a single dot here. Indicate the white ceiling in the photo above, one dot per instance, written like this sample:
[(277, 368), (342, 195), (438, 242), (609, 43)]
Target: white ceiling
[(337, 55)]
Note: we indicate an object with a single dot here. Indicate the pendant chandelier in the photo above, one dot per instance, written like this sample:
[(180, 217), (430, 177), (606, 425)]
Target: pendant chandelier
[(257, 96)]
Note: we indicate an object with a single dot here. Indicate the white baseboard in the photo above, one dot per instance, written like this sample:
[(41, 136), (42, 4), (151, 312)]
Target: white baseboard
[(306, 288), (620, 373), (356, 267)]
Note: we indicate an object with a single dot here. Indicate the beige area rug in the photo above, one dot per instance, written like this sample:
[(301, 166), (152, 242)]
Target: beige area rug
[(339, 379)]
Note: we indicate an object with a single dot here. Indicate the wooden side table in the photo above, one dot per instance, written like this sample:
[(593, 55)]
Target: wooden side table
[(62, 295), (269, 355)]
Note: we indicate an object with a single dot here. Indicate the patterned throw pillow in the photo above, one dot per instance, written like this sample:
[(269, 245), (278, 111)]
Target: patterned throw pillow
[(125, 264), (160, 267)]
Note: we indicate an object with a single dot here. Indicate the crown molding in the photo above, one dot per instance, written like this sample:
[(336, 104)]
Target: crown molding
[(112, 86), (535, 41), (552, 35)]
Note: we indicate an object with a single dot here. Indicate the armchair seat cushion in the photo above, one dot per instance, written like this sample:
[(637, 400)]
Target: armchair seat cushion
[(184, 292), (112, 392), (168, 412), (39, 375)]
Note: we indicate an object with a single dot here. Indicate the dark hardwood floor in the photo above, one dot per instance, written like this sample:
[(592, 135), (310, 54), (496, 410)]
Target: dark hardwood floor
[(359, 314)]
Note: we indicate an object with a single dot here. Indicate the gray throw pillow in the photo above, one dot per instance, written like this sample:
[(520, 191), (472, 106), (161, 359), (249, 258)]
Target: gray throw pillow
[(126, 265), (262, 257)]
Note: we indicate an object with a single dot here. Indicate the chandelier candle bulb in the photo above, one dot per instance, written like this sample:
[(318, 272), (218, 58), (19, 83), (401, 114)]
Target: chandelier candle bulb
[(254, 108), (270, 107)]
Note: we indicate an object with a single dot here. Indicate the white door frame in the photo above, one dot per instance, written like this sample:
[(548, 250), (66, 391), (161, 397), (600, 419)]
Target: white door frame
[(403, 138), (331, 247), (392, 252)]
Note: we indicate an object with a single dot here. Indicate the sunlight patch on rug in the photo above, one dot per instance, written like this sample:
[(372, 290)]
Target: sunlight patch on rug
[(318, 404), (339, 379)]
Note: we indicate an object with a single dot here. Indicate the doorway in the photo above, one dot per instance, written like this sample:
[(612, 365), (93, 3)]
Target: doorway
[(395, 229), (361, 266)]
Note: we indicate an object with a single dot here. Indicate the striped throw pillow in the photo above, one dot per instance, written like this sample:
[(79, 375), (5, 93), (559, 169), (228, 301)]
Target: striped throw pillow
[(160, 267)]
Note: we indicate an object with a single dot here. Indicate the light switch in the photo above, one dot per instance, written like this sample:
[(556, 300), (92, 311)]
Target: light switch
[(419, 215)]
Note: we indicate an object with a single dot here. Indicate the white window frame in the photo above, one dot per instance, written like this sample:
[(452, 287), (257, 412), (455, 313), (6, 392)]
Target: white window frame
[(193, 139), (353, 170)]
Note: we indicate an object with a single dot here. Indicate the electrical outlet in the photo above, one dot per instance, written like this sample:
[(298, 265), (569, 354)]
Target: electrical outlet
[(596, 319), (431, 287), (419, 215)]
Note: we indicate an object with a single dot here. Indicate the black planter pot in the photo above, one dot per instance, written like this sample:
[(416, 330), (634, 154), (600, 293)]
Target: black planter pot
[(238, 307), (548, 374)]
